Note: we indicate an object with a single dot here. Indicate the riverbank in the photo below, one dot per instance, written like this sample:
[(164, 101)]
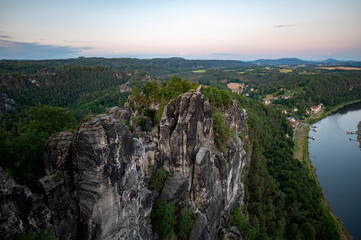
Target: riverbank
[(301, 153), (303, 156), (324, 113), (359, 133)]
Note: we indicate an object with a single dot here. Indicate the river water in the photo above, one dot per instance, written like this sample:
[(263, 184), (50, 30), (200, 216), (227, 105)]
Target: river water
[(338, 165)]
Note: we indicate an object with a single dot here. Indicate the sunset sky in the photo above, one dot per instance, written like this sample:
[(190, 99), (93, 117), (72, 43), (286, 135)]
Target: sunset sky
[(197, 29)]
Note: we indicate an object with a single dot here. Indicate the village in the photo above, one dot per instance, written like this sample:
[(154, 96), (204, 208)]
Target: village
[(282, 94)]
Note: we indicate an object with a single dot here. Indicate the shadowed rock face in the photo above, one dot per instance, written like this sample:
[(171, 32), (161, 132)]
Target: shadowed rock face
[(20, 209), (95, 183), (94, 186), (6, 104)]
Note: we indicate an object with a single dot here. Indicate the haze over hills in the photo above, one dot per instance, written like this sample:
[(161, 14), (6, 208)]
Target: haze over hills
[(297, 61), (155, 65)]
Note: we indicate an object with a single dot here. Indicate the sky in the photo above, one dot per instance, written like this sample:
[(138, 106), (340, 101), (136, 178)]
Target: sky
[(197, 29)]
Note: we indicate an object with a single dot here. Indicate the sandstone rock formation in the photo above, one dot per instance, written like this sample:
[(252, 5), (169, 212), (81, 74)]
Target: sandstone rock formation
[(94, 187), (125, 87), (20, 209), (6, 104), (186, 146), (96, 183)]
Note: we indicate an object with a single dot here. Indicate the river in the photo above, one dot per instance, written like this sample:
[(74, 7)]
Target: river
[(338, 165)]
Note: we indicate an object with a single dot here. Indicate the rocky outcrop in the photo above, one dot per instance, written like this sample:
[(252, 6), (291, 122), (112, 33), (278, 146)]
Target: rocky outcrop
[(20, 209), (185, 127), (125, 87), (6, 104), (186, 146), (175, 188), (94, 187)]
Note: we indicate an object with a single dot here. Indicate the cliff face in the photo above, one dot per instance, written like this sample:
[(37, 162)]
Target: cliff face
[(6, 104), (186, 146), (95, 186), (20, 209)]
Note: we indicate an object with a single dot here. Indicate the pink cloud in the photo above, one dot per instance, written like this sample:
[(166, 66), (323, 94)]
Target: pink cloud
[(286, 25)]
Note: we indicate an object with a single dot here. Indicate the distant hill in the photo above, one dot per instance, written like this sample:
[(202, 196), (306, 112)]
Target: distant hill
[(153, 66), (280, 61), (297, 61), (330, 60), (156, 66)]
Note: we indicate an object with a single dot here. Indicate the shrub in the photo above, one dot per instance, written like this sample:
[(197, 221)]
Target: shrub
[(150, 113), (163, 218), (222, 133), (239, 220), (141, 122), (44, 234), (158, 179), (185, 223)]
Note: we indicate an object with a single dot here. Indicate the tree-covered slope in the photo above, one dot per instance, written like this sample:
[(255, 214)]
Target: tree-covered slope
[(284, 201)]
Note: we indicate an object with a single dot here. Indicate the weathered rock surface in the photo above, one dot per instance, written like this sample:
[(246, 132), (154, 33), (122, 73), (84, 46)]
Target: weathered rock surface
[(231, 234), (6, 104), (125, 87), (20, 209), (186, 146), (175, 188), (186, 125), (94, 186)]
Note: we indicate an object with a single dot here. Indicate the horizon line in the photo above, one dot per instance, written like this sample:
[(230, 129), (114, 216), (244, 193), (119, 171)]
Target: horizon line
[(150, 58)]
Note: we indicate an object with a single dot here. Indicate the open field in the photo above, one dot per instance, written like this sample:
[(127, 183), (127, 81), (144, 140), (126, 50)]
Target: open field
[(268, 97), (199, 71), (308, 73), (285, 70), (300, 140), (233, 86), (339, 68)]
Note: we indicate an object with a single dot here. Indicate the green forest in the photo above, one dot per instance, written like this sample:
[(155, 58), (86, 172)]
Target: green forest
[(282, 200)]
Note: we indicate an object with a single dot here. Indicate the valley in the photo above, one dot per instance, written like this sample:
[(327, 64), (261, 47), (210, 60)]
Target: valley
[(220, 133)]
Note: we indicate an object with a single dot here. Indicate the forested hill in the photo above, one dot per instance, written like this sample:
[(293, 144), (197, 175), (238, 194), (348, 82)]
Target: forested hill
[(153, 66)]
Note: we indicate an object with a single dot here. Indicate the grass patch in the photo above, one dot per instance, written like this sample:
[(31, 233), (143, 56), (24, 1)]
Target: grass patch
[(285, 70), (199, 71)]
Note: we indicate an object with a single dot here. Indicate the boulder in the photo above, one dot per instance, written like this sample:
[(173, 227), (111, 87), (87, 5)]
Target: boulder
[(20, 209), (175, 188)]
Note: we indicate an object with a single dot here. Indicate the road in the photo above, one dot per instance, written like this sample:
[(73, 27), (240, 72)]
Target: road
[(298, 124)]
